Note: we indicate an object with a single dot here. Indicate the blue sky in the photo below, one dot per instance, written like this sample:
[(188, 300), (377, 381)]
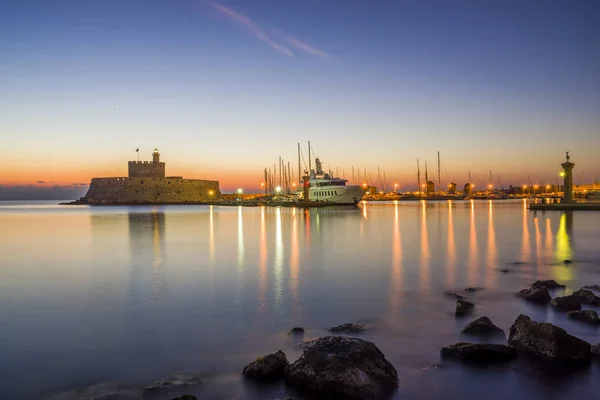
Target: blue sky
[(224, 88)]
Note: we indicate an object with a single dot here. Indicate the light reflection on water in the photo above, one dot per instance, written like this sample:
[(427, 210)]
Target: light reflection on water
[(148, 291)]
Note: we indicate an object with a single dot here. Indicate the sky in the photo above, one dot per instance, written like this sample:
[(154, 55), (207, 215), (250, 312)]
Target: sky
[(223, 88)]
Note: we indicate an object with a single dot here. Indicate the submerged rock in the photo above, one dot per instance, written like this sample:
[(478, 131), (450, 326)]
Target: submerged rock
[(504, 270), (296, 331), (592, 287), (349, 328), (455, 295), (482, 326), (175, 385), (589, 316), (537, 294), (588, 296), (479, 352), (464, 307), (185, 397), (567, 303), (101, 391), (548, 342), (337, 366), (567, 261), (550, 284), (471, 290), (268, 367)]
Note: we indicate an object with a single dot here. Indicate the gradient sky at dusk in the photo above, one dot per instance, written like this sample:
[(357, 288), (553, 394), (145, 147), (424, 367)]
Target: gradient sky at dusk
[(224, 88)]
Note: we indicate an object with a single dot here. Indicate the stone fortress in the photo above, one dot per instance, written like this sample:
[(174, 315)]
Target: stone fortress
[(147, 184)]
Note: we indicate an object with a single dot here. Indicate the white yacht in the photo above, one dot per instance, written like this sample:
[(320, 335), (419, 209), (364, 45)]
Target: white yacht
[(322, 187)]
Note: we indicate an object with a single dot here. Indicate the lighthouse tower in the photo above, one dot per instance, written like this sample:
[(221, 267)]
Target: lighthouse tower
[(155, 156)]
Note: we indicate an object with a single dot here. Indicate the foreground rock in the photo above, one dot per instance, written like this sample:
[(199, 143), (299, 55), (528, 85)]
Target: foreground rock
[(567, 303), (175, 385), (464, 307), (185, 397), (266, 368), (478, 352), (349, 328), (471, 290), (296, 331), (588, 297), (592, 287), (548, 342), (482, 326), (336, 366), (589, 316), (539, 295), (550, 284)]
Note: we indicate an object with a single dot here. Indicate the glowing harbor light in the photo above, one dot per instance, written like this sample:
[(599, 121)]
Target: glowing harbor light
[(278, 189), (240, 191), (490, 185), (364, 185), (210, 192), (262, 184), (562, 173), (294, 184)]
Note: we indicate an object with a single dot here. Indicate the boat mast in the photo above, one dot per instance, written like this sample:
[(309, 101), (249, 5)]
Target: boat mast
[(289, 177), (309, 160), (426, 180), (378, 179), (439, 178), (266, 181), (418, 176), (384, 182), (299, 168)]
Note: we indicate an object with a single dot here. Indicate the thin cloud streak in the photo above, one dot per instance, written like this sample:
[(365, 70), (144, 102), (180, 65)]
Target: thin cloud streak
[(254, 28), (262, 35)]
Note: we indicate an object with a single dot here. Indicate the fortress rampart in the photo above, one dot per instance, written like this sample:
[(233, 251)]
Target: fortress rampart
[(151, 190), (147, 184)]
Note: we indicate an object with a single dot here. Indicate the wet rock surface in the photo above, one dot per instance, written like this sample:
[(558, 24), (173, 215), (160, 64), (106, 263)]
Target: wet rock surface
[(349, 328), (479, 352), (482, 326), (550, 284), (337, 366), (185, 397), (547, 342), (464, 307), (567, 303), (596, 350), (588, 296), (269, 367), (539, 295), (173, 386), (589, 316), (471, 290)]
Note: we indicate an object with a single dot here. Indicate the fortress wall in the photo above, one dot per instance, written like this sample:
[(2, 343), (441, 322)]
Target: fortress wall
[(151, 190), (146, 169)]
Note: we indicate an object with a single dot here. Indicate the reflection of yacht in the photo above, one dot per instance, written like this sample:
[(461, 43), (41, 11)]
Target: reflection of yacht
[(322, 187)]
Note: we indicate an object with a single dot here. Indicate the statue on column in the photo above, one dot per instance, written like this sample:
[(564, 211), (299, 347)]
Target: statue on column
[(568, 157)]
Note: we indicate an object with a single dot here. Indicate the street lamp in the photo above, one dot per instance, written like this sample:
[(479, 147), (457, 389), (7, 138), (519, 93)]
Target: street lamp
[(524, 187), (396, 187), (547, 187), (278, 189)]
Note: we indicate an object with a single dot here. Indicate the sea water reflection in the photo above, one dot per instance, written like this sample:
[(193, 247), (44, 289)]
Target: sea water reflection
[(144, 292)]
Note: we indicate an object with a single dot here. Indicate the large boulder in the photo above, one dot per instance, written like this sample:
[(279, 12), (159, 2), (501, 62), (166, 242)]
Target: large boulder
[(537, 294), (175, 385), (592, 287), (588, 296), (268, 367), (479, 352), (349, 328), (482, 326), (589, 316), (337, 366), (567, 303), (548, 342), (550, 284), (464, 307)]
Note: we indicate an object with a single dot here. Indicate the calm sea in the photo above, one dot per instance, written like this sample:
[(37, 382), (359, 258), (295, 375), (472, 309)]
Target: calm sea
[(131, 294)]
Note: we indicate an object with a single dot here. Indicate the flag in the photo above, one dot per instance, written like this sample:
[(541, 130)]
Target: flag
[(137, 150)]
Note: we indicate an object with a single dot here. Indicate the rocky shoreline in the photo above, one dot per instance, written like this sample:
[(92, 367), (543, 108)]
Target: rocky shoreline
[(343, 366)]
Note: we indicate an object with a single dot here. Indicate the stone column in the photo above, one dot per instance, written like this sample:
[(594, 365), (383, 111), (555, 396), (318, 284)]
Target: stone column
[(568, 184)]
